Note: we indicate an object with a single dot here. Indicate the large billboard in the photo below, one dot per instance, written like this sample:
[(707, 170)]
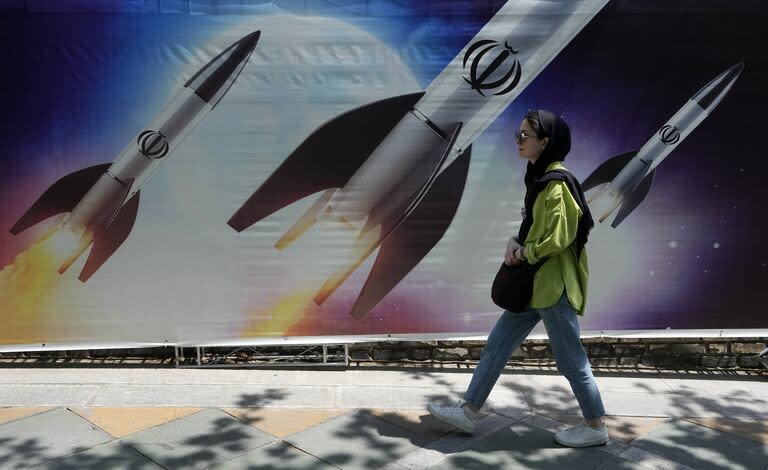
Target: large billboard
[(222, 172)]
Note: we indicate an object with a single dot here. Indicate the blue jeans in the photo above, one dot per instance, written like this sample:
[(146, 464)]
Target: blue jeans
[(562, 327)]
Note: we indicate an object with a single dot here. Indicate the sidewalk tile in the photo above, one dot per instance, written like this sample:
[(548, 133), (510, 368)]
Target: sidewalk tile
[(621, 428), (437, 450), (754, 430), (283, 422), (278, 455), (358, 441), (522, 446), (418, 421), (106, 456), (31, 441), (650, 460), (13, 413), (124, 421), (204, 439), (617, 463), (703, 448)]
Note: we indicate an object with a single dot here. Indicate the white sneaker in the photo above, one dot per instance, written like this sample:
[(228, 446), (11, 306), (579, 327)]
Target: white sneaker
[(459, 416), (582, 436)]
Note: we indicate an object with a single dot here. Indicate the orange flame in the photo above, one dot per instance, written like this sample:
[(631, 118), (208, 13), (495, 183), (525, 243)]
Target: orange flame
[(27, 288), (292, 307), (32, 293), (286, 311)]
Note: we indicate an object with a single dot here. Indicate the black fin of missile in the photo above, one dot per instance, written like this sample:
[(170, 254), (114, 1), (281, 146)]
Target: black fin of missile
[(110, 239), (61, 196), (326, 159), (607, 171), (634, 199), (415, 236)]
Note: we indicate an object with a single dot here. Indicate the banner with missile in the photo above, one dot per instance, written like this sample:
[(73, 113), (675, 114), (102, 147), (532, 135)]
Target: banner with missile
[(224, 172)]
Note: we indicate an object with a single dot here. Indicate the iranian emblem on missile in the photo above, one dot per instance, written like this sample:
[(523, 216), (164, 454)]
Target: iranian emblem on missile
[(394, 170), (669, 134), (481, 79), (152, 144), (101, 201)]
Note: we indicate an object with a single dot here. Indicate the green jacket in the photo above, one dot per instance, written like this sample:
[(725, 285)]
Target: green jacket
[(555, 221)]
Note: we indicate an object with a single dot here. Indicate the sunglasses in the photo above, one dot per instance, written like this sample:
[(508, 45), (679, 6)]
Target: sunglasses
[(521, 135)]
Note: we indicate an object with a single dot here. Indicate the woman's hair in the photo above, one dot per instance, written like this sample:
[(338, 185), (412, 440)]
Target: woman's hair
[(532, 117), (548, 124)]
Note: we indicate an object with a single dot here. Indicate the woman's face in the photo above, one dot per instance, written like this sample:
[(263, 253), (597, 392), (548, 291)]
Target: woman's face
[(529, 145)]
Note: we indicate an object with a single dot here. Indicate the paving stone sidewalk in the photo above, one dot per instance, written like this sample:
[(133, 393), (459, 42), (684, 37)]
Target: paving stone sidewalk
[(112, 418)]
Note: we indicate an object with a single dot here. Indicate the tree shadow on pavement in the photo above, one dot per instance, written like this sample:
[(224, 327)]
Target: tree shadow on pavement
[(729, 437), (210, 443), (702, 429), (375, 438)]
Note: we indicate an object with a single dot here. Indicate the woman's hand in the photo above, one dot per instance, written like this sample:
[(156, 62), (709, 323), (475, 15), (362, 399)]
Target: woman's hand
[(514, 254)]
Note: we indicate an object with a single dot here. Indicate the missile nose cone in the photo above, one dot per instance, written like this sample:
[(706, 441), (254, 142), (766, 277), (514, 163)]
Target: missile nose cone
[(249, 42), (710, 96), (730, 75), (736, 70), (213, 81)]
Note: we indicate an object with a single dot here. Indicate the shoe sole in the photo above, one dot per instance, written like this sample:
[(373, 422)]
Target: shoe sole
[(580, 446), (439, 418)]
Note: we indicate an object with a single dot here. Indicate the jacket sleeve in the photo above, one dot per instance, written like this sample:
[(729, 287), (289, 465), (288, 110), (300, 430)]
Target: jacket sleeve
[(560, 217)]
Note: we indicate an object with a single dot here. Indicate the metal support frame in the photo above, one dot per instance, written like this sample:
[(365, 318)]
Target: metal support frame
[(255, 356), (762, 358), (178, 355)]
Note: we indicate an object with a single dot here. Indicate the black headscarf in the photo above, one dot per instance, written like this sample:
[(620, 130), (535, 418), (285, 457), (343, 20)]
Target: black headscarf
[(548, 124)]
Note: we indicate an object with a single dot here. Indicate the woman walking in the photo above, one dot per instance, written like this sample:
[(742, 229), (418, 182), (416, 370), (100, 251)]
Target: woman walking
[(556, 232)]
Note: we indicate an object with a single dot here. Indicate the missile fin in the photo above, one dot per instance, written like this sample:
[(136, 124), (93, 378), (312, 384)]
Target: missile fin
[(634, 199), (607, 171), (110, 239), (326, 159), (61, 196), (305, 221), (392, 211), (415, 235), (404, 197), (361, 250)]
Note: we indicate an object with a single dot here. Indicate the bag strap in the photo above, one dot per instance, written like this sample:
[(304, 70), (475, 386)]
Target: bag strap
[(573, 185), (585, 223)]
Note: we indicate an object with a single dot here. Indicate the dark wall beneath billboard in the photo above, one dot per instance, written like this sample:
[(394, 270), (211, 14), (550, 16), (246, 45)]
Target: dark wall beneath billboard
[(624, 354)]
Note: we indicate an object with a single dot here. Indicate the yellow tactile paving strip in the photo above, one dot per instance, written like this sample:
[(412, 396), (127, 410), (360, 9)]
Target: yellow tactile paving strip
[(19, 412), (281, 422), (754, 430), (621, 428), (123, 421)]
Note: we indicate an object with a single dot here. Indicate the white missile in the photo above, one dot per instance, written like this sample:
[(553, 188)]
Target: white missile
[(102, 200), (395, 169), (626, 179)]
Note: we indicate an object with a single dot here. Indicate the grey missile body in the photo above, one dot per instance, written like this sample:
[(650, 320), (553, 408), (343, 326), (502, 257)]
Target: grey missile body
[(102, 201), (626, 179), (395, 170)]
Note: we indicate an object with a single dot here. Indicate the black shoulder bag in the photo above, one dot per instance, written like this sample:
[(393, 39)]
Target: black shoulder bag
[(513, 286)]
